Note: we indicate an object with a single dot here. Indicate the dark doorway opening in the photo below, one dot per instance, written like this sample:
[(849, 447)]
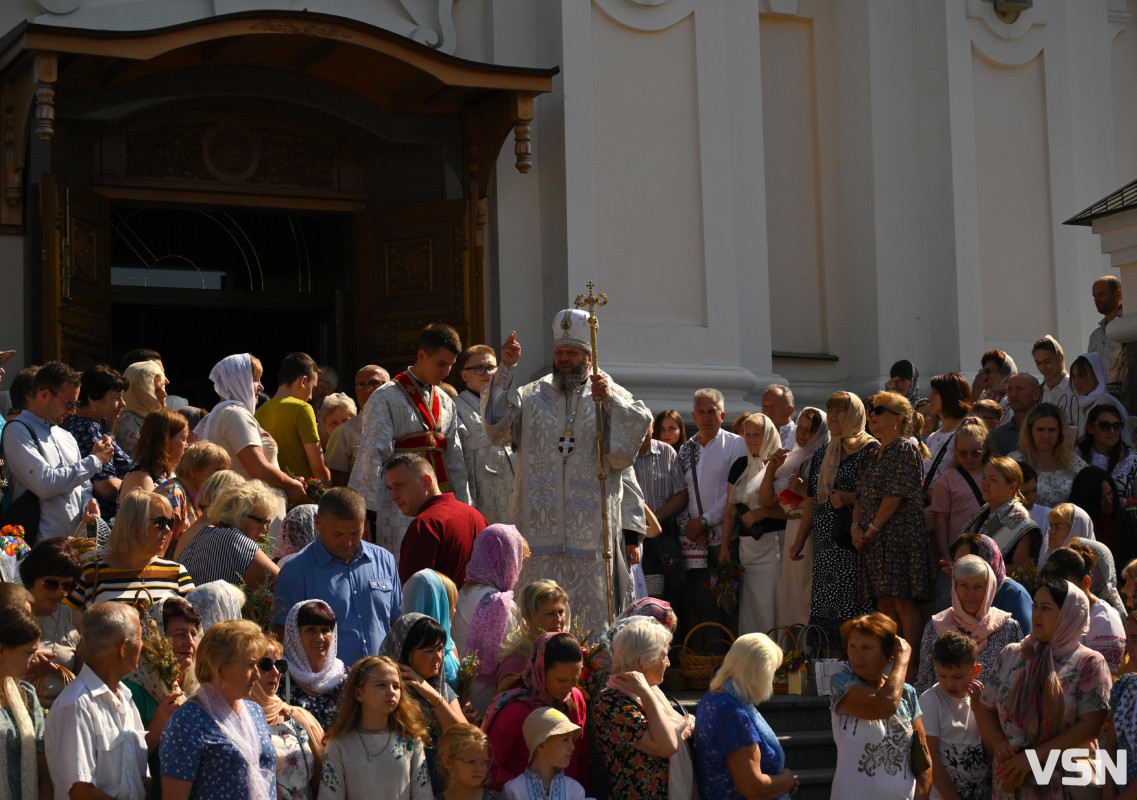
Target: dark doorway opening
[(197, 284)]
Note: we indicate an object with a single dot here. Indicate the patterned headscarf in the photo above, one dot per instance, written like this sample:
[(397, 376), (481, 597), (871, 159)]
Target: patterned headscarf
[(298, 529), (990, 552), (494, 561), (299, 667), (532, 690), (852, 440), (1035, 702), (233, 381), (141, 396), (425, 593), (987, 621)]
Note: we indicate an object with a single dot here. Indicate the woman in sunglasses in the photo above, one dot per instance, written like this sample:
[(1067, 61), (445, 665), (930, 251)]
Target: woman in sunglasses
[(228, 549), (49, 572), (133, 568), (296, 735), (1106, 443), (889, 531)]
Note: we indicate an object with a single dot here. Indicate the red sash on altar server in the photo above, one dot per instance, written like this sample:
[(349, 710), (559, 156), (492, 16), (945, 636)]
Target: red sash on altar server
[(431, 443)]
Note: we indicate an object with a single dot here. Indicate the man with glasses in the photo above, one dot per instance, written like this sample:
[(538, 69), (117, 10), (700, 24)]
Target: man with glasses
[(345, 440), (489, 466), (42, 458)]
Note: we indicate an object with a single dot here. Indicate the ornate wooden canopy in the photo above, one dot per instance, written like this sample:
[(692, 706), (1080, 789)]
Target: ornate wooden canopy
[(381, 67)]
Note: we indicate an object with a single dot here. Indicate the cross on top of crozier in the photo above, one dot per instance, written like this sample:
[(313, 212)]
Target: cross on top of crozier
[(592, 300)]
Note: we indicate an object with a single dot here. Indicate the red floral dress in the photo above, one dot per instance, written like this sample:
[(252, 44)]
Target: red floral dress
[(634, 775)]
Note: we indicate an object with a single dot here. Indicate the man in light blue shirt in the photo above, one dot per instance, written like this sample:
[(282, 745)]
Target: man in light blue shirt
[(358, 580), (44, 459)]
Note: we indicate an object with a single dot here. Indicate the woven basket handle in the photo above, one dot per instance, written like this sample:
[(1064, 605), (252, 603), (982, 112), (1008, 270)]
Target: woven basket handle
[(687, 638)]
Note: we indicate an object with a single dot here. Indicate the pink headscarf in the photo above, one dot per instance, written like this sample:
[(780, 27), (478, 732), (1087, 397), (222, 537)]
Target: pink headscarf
[(987, 621), (1035, 702), (494, 561)]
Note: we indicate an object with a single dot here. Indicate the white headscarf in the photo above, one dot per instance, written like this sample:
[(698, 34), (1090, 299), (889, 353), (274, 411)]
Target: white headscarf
[(1081, 527), (216, 601), (233, 381), (1098, 366), (241, 730), (799, 455), (746, 487), (1112, 403), (299, 667)]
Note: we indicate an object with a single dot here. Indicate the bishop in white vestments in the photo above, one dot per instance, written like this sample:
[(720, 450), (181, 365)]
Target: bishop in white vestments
[(552, 426)]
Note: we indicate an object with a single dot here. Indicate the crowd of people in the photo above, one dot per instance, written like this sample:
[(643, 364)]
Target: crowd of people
[(424, 591)]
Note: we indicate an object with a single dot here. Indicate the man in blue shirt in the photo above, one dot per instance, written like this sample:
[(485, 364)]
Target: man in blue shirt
[(357, 579)]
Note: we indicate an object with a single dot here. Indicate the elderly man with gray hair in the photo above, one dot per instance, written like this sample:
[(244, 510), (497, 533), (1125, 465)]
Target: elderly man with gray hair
[(94, 730)]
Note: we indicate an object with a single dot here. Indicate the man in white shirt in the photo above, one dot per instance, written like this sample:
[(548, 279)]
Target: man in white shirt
[(94, 738), (44, 459), (778, 405), (706, 459), (1107, 300)]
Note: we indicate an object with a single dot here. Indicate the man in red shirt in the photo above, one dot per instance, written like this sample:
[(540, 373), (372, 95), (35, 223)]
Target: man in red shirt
[(441, 535)]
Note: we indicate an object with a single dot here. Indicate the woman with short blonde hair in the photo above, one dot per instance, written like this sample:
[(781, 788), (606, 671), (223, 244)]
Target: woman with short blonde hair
[(219, 745), (336, 409), (738, 752), (200, 460), (228, 549), (132, 568), (213, 486)]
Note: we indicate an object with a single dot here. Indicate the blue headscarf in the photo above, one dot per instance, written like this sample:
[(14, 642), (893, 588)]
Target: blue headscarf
[(425, 593)]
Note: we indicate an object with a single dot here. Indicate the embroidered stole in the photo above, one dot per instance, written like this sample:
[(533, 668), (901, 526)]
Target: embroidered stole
[(430, 443)]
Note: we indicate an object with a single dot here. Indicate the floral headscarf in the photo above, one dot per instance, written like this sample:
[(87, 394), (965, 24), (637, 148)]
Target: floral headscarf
[(532, 690), (852, 440), (494, 561), (298, 529), (141, 396), (1035, 702), (990, 552), (986, 622), (426, 594), (299, 667)]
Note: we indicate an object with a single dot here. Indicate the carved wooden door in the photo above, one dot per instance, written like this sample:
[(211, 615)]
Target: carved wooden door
[(414, 268), (76, 274)]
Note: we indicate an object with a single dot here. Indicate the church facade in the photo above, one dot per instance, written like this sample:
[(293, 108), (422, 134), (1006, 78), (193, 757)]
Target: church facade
[(765, 190)]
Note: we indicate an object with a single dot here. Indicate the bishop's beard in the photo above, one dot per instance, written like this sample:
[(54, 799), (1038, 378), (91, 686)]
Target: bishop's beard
[(570, 382)]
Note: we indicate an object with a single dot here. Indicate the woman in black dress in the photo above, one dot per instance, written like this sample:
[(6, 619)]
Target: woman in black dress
[(832, 486)]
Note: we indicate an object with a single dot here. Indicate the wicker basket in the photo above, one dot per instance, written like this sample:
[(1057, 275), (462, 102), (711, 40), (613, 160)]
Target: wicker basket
[(698, 669), (779, 635)]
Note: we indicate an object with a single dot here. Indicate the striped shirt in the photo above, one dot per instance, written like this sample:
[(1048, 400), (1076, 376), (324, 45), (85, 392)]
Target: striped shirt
[(659, 474), (101, 582), (219, 554)]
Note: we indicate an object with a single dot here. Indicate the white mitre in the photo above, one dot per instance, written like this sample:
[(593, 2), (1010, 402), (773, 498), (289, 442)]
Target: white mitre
[(570, 329)]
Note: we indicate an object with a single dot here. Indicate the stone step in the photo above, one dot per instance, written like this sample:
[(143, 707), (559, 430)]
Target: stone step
[(815, 784), (809, 749)]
